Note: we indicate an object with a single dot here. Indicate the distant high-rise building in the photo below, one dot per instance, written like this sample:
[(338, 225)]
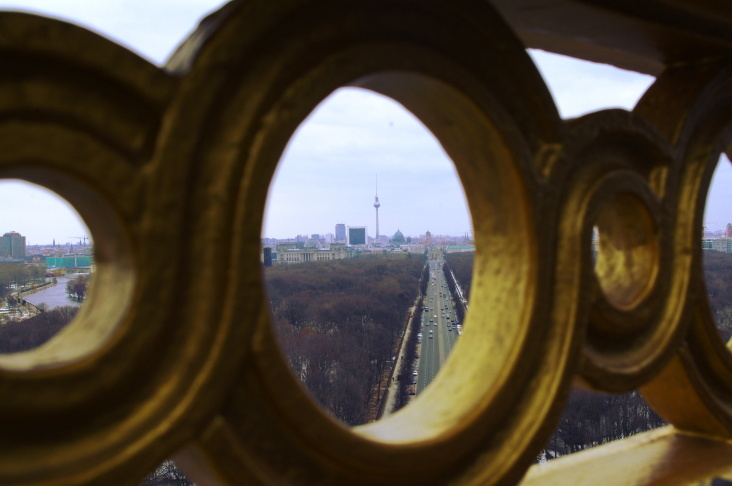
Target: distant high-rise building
[(356, 235), (377, 204), (340, 232), (728, 233), (12, 245), (267, 256)]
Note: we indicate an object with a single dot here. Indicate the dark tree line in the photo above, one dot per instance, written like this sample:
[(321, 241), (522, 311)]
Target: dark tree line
[(166, 474), (17, 275), (410, 347), (590, 419), (339, 323), (459, 306), (35, 331), (77, 288), (424, 280), (718, 279), (461, 265)]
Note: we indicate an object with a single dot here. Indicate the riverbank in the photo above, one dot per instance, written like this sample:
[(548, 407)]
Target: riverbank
[(21, 309), (36, 289), (53, 296)]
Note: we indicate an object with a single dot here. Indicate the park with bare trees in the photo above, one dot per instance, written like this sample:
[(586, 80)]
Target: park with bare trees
[(340, 323)]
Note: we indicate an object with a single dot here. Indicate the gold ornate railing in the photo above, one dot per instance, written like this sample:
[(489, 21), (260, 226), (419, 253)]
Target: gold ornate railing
[(164, 163)]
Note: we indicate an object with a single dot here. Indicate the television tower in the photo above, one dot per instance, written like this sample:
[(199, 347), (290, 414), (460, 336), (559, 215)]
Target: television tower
[(376, 205)]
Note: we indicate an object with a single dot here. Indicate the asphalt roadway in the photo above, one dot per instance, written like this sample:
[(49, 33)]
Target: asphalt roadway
[(438, 317)]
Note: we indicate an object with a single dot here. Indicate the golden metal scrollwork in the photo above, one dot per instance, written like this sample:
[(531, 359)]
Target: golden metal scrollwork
[(449, 81), (614, 181), (122, 385), (163, 163), (693, 392)]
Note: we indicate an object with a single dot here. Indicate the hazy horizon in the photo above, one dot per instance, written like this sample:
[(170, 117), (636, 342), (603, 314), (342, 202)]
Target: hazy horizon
[(328, 171)]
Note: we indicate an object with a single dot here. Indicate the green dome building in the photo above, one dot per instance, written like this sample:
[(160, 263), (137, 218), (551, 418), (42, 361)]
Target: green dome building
[(398, 238)]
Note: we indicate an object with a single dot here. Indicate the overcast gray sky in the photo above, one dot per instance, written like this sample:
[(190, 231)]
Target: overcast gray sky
[(329, 169)]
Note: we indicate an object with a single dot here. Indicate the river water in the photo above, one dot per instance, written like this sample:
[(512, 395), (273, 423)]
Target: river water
[(55, 296)]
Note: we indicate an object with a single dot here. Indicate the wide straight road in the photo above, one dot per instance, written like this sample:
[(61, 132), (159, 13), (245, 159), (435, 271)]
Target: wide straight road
[(439, 332)]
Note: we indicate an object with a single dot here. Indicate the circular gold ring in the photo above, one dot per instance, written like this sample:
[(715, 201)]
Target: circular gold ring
[(615, 231), (259, 81), (691, 105), (104, 399)]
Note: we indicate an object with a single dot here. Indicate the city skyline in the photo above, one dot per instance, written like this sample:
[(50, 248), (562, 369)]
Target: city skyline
[(38, 214), (345, 142), (326, 174)]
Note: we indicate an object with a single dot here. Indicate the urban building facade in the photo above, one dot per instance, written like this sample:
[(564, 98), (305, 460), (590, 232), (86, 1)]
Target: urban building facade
[(459, 248), (721, 244), (12, 245), (288, 254), (340, 232), (75, 262), (356, 235)]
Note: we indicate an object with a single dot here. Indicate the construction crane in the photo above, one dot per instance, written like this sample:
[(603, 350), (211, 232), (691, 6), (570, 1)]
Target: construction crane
[(709, 228), (80, 238)]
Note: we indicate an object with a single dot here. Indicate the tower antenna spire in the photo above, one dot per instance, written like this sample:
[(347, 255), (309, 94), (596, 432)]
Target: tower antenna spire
[(376, 205)]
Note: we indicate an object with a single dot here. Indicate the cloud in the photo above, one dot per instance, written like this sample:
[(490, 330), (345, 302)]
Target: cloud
[(717, 212), (38, 214), (152, 29), (581, 87), (334, 158), (328, 171)]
